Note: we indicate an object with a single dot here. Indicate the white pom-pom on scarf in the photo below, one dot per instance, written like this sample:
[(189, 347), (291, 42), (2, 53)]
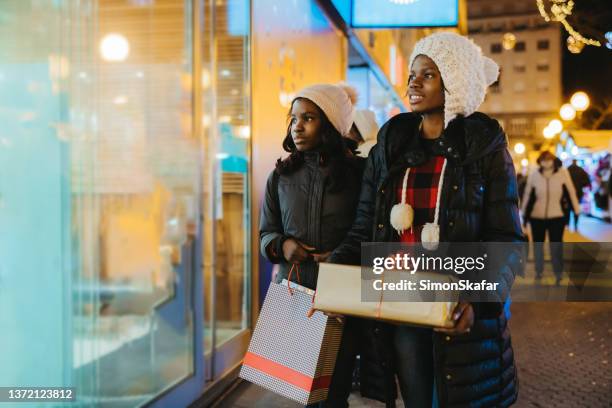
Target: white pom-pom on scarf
[(402, 214), (430, 236)]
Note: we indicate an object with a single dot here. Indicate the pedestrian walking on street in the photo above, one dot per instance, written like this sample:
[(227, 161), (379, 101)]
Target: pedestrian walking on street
[(311, 198), (542, 208), (581, 180), (453, 165)]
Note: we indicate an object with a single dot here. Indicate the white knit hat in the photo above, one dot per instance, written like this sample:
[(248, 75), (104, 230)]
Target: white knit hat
[(465, 71), (336, 101)]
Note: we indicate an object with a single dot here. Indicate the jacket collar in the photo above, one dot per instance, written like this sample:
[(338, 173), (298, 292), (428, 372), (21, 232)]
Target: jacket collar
[(465, 140)]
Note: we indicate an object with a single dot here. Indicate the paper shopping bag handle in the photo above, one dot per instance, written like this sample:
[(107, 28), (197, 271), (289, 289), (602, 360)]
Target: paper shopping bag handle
[(297, 270)]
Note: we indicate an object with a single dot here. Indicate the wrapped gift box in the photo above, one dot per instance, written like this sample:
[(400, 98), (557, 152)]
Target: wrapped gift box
[(339, 290)]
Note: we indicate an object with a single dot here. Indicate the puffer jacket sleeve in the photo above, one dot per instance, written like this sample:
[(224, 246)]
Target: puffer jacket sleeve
[(349, 251), (270, 221), (501, 223)]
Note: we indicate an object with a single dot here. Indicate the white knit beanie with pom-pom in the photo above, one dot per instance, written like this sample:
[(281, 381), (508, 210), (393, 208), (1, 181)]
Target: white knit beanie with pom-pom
[(466, 73), (336, 101)]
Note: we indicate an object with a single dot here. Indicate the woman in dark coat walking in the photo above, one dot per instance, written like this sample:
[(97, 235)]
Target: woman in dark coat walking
[(453, 166)]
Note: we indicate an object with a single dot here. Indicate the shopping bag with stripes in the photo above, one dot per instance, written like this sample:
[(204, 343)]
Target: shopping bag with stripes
[(290, 353)]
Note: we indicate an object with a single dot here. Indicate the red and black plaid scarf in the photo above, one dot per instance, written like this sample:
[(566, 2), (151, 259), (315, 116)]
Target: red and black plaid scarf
[(421, 194)]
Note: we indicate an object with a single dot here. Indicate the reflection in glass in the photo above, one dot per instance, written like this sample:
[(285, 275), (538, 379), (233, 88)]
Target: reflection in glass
[(102, 198)]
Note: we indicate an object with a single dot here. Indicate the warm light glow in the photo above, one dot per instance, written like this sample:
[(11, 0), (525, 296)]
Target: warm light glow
[(555, 126), (120, 100), (567, 112), (574, 46), (580, 101), (205, 79), (519, 148), (225, 119), (244, 132), (524, 162), (548, 133), (206, 121), (509, 41), (114, 47)]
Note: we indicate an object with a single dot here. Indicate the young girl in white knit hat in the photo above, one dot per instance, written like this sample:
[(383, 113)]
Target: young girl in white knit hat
[(311, 199), (441, 173)]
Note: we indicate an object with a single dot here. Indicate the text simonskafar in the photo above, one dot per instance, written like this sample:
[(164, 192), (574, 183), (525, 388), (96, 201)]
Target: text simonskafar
[(427, 284)]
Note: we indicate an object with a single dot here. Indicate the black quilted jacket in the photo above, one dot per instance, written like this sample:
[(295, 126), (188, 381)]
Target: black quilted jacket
[(478, 203), (301, 205)]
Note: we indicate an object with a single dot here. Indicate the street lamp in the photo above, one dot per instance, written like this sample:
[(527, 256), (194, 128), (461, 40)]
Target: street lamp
[(567, 112), (580, 101), (519, 148), (548, 132), (524, 162), (555, 126)]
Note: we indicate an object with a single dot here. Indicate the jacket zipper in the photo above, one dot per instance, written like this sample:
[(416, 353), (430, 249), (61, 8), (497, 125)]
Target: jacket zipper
[(546, 209)]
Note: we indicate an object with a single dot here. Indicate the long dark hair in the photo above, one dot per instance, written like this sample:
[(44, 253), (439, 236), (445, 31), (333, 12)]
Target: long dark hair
[(336, 156)]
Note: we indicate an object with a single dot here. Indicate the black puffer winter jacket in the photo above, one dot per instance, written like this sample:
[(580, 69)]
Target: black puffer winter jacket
[(479, 202), (304, 207)]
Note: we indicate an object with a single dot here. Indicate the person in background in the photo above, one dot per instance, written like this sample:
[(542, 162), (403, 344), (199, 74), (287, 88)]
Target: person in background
[(542, 209), (310, 201), (364, 131), (581, 180)]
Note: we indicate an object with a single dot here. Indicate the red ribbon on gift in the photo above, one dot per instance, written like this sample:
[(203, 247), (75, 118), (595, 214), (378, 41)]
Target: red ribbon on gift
[(286, 374)]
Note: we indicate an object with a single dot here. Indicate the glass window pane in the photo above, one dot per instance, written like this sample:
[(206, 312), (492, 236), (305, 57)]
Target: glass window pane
[(101, 180)]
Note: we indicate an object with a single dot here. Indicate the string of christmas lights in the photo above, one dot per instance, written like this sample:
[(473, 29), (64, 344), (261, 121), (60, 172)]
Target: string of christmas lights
[(560, 10)]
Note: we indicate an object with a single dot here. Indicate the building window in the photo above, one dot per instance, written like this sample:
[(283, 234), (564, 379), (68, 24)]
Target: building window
[(496, 48), (542, 87), (520, 46), (519, 126), (543, 44), (520, 68), (542, 67), (476, 29), (520, 25), (496, 27), (519, 87)]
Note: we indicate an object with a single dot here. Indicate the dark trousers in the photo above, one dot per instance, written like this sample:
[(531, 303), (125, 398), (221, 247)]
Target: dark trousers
[(574, 215), (342, 378), (554, 227), (414, 365)]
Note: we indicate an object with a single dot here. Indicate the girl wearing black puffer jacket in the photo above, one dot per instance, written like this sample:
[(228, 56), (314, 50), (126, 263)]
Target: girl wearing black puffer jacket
[(452, 165), (310, 202)]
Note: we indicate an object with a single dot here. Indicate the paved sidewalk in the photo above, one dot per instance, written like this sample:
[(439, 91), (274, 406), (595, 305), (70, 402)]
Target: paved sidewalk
[(562, 353)]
